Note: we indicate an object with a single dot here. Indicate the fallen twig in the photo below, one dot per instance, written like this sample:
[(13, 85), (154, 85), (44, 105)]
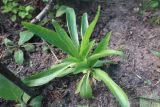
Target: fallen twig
[(57, 60), (41, 15)]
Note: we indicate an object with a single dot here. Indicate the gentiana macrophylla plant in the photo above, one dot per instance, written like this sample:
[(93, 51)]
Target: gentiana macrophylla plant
[(82, 58)]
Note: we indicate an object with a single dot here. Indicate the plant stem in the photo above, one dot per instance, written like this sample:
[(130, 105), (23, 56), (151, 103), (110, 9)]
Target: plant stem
[(17, 81)]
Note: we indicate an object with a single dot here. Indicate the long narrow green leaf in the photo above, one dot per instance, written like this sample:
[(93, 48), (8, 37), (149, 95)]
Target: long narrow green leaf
[(72, 27), (65, 38), (61, 10), (50, 36), (84, 24), (102, 46), (86, 90), (100, 63), (78, 88), (113, 87), (85, 40), (104, 54), (47, 75), (8, 90), (104, 43), (87, 49)]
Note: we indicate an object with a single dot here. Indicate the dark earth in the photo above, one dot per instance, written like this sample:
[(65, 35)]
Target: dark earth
[(138, 73)]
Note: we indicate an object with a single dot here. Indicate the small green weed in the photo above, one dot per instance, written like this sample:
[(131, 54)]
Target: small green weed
[(16, 48), (15, 9)]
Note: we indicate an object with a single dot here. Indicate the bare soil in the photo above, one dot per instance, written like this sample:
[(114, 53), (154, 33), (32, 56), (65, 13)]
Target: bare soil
[(133, 72)]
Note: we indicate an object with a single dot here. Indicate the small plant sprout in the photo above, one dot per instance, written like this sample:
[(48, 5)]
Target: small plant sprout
[(17, 48), (82, 57)]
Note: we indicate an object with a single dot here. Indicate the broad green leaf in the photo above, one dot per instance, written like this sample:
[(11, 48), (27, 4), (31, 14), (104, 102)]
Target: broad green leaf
[(78, 88), (113, 87), (72, 27), (46, 76), (24, 37), (50, 36), (61, 10), (156, 53), (8, 42), (29, 47), (8, 90), (19, 57), (84, 24), (104, 54), (36, 102), (65, 38), (85, 40), (86, 90), (104, 43)]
